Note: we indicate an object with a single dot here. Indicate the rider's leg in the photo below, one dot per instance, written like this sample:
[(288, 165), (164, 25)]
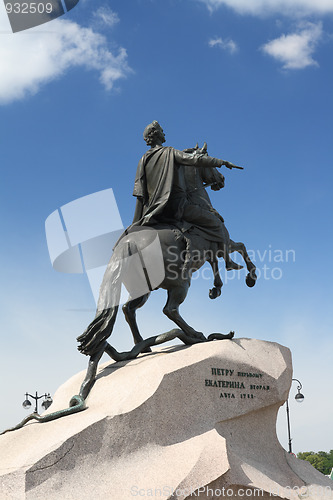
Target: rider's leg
[(215, 229)]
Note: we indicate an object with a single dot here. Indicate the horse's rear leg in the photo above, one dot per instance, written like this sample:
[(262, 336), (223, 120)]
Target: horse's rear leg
[(239, 247), (216, 291), (129, 310), (176, 296)]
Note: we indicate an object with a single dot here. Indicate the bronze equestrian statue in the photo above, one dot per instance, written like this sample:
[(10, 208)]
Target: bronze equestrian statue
[(175, 230)]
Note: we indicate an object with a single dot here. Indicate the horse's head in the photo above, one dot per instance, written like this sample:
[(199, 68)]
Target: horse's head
[(196, 150)]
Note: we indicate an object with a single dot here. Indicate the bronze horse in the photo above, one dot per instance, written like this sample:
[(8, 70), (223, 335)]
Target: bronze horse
[(179, 255), (145, 259)]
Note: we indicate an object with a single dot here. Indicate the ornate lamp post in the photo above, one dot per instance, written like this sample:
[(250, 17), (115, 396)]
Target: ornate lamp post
[(299, 398), (45, 404)]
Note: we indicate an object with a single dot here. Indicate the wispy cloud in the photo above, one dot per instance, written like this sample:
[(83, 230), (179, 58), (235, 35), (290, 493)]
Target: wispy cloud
[(265, 7), (295, 51), (227, 45), (106, 16), (30, 59)]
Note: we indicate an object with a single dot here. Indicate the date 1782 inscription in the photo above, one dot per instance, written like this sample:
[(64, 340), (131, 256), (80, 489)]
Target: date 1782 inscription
[(236, 384)]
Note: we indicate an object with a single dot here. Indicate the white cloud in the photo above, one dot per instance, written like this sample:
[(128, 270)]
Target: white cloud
[(266, 7), (228, 45), (32, 58), (106, 16), (296, 50)]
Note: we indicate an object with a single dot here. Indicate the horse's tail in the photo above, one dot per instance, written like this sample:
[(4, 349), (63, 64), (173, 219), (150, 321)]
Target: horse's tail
[(98, 331), (101, 327), (127, 266)]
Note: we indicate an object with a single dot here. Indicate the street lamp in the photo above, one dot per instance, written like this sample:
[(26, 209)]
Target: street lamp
[(45, 404), (299, 398)]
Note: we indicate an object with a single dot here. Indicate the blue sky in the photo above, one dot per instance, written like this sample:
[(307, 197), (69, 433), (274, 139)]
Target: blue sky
[(255, 82)]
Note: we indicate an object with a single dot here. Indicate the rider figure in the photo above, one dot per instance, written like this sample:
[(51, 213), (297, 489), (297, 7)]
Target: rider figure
[(162, 193)]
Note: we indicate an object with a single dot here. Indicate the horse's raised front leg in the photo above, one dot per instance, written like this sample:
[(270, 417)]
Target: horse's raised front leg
[(129, 310), (239, 247), (176, 296), (216, 291)]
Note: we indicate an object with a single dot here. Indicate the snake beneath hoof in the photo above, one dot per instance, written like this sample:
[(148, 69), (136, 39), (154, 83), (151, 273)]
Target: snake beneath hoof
[(76, 404)]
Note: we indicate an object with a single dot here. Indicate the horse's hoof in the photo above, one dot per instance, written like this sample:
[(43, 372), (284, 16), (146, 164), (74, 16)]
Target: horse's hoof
[(147, 349), (221, 336), (214, 293), (199, 336), (251, 279)]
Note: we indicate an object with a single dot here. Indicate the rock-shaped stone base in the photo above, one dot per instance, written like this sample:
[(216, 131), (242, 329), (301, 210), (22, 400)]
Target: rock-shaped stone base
[(181, 421)]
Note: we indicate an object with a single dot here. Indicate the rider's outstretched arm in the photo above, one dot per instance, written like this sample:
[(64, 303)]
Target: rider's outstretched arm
[(197, 160)]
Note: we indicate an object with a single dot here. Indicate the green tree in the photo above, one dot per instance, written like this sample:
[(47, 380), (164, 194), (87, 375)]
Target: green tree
[(320, 460)]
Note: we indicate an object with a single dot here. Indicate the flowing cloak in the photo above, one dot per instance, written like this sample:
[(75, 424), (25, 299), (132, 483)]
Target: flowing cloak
[(154, 183), (162, 193)]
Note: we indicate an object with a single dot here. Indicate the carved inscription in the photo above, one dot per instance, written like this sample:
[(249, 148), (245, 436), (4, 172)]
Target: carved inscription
[(235, 384)]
